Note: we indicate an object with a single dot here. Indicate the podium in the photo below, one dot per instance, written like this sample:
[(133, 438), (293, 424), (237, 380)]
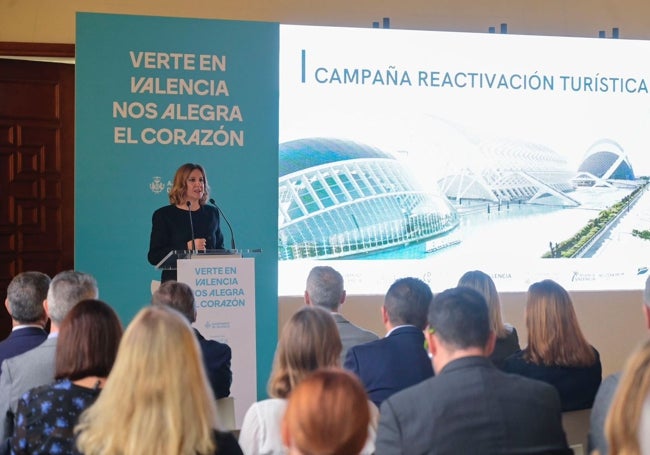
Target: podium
[(169, 262), (223, 282)]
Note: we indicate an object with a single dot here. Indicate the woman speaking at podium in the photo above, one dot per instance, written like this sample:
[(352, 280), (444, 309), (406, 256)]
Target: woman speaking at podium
[(187, 223)]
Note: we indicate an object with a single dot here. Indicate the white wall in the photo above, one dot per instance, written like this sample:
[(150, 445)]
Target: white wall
[(53, 22)]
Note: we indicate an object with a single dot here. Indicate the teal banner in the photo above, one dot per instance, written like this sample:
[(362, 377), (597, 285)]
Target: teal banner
[(153, 93)]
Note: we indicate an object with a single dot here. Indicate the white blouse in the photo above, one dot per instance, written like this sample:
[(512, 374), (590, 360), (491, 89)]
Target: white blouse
[(261, 435)]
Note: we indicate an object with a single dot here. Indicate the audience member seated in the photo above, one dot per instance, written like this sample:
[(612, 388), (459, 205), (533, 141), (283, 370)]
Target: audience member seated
[(36, 366), (557, 351), (603, 400), (507, 338), (26, 295), (156, 399), (325, 289), (627, 427), (216, 355), (327, 413), (399, 360), (85, 352), (308, 341), (469, 406)]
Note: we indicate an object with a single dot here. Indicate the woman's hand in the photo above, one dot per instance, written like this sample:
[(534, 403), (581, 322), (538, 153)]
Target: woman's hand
[(199, 243)]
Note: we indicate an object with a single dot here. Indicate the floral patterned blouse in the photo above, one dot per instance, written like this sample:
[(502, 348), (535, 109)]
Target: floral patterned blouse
[(46, 417)]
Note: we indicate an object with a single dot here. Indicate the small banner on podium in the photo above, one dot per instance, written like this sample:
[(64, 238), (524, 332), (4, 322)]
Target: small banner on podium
[(224, 290)]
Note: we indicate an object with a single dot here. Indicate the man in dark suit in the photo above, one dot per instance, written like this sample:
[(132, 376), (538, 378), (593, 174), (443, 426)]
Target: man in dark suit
[(325, 289), (469, 406), (398, 360), (26, 295), (216, 356)]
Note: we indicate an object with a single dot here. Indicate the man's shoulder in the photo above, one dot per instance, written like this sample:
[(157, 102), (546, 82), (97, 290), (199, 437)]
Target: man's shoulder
[(211, 345), (35, 358), (347, 328), (611, 381), (369, 347), (20, 336), (606, 392)]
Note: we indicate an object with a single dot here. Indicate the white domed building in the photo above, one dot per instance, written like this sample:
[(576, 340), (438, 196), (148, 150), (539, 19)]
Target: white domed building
[(341, 198)]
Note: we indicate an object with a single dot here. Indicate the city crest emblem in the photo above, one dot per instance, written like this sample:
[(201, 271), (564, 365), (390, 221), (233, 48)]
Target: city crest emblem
[(157, 185)]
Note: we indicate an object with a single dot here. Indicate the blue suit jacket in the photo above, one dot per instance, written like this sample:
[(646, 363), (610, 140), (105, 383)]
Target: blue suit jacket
[(21, 340), (216, 359), (390, 364)]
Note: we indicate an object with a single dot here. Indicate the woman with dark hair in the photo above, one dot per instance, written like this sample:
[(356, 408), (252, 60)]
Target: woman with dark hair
[(45, 418), (170, 225), (557, 351)]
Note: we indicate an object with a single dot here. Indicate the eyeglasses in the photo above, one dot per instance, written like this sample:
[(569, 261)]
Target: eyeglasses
[(194, 180)]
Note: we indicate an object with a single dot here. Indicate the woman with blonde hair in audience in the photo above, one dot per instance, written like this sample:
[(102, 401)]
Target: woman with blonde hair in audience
[(86, 346), (309, 341), (557, 351), (507, 342), (327, 414), (157, 399), (627, 427)]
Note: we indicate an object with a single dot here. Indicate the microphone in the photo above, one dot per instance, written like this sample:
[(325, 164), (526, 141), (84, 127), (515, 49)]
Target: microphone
[(189, 210), (232, 235)]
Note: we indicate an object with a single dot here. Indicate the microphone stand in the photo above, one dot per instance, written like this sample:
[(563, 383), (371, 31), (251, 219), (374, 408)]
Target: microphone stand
[(232, 235), (189, 210)]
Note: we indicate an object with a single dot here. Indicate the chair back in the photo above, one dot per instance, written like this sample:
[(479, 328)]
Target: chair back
[(226, 413), (576, 428)]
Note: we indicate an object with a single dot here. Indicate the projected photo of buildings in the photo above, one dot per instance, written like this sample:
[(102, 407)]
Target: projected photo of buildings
[(464, 150), (340, 198)]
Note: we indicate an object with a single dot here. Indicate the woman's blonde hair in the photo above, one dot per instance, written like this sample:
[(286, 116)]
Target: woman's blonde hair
[(554, 335), (179, 186), (327, 413), (624, 416), (481, 282), (309, 340), (157, 399)]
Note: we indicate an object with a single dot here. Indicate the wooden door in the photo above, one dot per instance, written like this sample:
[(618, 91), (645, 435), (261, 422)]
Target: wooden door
[(36, 171)]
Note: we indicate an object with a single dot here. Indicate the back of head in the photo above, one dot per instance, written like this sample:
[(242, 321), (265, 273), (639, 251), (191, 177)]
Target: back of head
[(66, 290), (309, 340), (178, 296), (157, 382), (482, 283), (554, 336), (88, 340), (407, 302), (460, 318), (26, 293), (325, 287), (327, 413), (623, 424)]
